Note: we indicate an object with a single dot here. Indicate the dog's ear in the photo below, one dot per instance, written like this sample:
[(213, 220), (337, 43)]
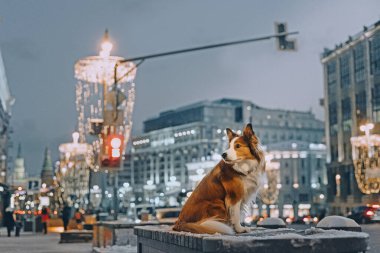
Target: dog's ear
[(230, 134), (249, 134)]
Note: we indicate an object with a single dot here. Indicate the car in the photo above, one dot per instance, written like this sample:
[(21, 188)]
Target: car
[(365, 214), (167, 215)]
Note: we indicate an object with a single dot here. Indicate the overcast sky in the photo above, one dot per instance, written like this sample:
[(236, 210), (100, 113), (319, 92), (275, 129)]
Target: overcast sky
[(41, 40)]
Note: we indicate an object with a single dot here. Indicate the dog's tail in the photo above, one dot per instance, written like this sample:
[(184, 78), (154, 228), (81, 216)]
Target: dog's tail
[(205, 227)]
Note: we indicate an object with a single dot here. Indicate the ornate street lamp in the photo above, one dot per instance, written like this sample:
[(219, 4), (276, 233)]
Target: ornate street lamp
[(105, 96), (366, 159), (73, 170), (269, 192)]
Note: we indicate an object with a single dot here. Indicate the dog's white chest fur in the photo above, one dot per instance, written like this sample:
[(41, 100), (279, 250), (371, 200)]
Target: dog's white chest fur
[(251, 170)]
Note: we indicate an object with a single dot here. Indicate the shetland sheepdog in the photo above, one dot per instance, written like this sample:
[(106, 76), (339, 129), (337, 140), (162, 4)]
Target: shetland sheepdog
[(215, 204)]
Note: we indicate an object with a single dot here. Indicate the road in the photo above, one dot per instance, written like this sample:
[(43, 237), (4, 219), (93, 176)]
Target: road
[(38, 243)]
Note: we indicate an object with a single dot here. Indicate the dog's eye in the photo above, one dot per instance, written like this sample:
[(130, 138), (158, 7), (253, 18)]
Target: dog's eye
[(237, 146)]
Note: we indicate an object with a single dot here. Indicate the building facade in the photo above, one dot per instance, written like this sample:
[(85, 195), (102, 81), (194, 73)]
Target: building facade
[(6, 101), (351, 99), (179, 146), (301, 180)]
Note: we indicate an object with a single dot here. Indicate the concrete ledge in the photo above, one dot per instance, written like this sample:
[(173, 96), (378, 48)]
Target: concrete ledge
[(110, 233), (76, 236), (163, 239)]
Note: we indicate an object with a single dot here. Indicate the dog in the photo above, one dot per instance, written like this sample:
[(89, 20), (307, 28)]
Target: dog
[(215, 204)]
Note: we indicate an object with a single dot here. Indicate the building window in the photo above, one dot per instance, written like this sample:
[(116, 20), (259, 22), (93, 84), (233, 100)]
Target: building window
[(359, 65), (376, 97), (303, 180), (331, 77), (361, 105), (287, 180), (345, 71), (304, 197), (333, 118), (375, 54), (346, 108)]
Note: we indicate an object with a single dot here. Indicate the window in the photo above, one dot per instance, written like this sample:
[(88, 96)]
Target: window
[(304, 197), (332, 114), (346, 108), (303, 180), (361, 105), (345, 71), (375, 54), (287, 181), (331, 77), (359, 65)]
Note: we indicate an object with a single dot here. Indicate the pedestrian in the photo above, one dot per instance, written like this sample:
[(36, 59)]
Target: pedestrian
[(45, 218), (9, 221), (66, 215), (78, 219), (18, 223)]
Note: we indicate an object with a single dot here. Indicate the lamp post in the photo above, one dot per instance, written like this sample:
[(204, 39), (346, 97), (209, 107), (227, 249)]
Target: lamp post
[(270, 191), (73, 171), (105, 95), (366, 159)]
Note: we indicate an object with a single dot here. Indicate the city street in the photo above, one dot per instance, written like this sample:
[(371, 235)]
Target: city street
[(38, 243)]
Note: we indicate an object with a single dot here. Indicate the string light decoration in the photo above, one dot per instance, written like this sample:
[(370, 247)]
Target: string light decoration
[(105, 96), (270, 190), (366, 159), (73, 170)]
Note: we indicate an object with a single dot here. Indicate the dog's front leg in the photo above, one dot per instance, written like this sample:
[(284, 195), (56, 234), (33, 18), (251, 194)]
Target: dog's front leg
[(235, 219)]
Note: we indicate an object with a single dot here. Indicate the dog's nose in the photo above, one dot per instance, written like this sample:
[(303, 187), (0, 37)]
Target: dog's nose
[(224, 155)]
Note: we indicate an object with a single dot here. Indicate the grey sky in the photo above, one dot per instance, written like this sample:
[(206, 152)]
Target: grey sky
[(41, 40)]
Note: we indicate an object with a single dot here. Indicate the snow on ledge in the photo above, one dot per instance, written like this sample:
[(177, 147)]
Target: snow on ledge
[(335, 221)]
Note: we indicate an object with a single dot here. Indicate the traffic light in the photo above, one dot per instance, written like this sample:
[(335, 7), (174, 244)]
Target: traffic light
[(283, 43), (113, 151)]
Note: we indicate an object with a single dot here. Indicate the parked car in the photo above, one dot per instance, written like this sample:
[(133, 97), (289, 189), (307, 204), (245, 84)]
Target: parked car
[(168, 215), (365, 214)]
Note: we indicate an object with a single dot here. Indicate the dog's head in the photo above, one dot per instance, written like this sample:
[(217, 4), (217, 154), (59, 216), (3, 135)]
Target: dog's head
[(243, 147)]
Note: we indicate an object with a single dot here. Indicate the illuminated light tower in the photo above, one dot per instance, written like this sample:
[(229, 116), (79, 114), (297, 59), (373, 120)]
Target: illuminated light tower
[(105, 96), (366, 159), (72, 172), (270, 190)]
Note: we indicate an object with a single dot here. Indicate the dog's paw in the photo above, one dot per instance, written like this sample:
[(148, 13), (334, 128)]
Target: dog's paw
[(241, 229)]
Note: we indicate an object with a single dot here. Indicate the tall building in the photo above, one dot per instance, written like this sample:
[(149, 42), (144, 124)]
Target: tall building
[(18, 176), (6, 101), (351, 99), (179, 146), (47, 172)]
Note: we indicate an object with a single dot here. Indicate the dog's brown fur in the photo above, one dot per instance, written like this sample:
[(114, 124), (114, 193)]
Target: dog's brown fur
[(221, 189)]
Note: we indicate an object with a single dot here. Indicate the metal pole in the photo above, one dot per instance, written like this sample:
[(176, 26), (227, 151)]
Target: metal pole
[(267, 37), (115, 196)]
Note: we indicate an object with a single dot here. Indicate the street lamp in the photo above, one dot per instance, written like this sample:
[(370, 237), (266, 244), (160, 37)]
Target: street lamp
[(105, 96), (73, 170), (270, 190), (366, 159)]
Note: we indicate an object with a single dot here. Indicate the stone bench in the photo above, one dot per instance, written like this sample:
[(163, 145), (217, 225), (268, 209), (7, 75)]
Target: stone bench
[(160, 239), (76, 236)]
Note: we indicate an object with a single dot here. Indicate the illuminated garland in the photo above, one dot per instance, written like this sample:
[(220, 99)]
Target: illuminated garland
[(366, 159)]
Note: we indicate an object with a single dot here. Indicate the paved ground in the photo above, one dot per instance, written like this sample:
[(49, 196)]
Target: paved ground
[(38, 243)]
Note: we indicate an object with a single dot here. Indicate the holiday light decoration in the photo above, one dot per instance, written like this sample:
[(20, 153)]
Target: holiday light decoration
[(105, 96), (270, 190), (366, 159), (72, 171)]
